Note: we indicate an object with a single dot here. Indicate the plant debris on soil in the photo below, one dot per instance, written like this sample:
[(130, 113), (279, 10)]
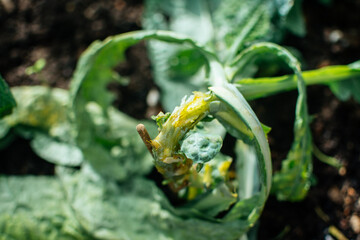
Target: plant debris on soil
[(60, 31)]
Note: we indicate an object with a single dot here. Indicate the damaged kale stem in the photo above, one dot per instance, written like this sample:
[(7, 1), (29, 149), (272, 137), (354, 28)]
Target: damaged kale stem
[(165, 148), (188, 156)]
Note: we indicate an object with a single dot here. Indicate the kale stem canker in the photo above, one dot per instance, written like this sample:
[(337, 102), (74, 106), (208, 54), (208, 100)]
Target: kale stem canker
[(165, 147), (183, 119)]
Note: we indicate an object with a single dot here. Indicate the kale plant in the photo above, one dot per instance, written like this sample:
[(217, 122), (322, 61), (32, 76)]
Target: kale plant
[(101, 188)]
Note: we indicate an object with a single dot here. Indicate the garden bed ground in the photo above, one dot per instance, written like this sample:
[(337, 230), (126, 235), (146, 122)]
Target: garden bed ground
[(60, 31)]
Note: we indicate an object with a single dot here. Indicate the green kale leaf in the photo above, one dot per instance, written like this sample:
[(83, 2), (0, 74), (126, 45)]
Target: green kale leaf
[(35, 208), (7, 101)]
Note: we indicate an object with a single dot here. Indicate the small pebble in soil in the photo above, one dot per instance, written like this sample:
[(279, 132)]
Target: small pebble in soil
[(152, 99), (335, 36), (335, 195), (342, 171), (355, 223)]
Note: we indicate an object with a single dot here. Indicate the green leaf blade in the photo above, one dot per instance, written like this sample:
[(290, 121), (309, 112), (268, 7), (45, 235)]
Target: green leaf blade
[(350, 87), (7, 101), (35, 208), (137, 210), (42, 117)]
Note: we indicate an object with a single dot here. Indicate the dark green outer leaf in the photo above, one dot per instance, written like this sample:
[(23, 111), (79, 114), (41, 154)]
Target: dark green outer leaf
[(295, 21), (290, 16), (7, 101)]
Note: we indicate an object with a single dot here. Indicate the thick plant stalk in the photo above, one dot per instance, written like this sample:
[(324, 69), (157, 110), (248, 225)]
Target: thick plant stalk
[(253, 88)]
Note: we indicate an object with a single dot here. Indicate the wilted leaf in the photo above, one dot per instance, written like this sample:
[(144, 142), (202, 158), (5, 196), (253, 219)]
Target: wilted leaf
[(293, 180), (108, 138)]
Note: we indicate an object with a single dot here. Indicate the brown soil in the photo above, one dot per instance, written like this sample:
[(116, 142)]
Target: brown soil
[(60, 31)]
